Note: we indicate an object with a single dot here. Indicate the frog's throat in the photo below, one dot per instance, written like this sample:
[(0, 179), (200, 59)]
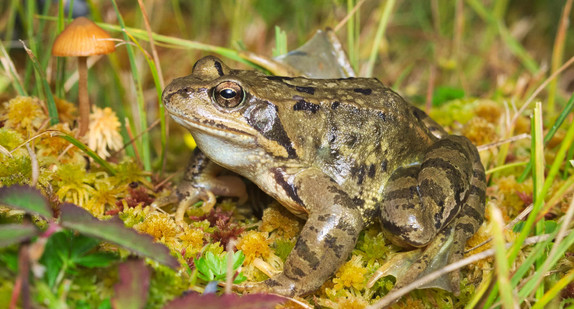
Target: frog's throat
[(213, 129)]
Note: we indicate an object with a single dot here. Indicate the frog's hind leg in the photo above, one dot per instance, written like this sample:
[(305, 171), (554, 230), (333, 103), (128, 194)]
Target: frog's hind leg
[(472, 214), (437, 205)]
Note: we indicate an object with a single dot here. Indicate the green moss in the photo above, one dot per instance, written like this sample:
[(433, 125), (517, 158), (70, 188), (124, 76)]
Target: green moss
[(15, 170), (165, 285), (283, 248)]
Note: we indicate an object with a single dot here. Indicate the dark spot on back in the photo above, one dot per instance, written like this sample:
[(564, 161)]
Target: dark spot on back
[(309, 90), (359, 201), (384, 164), (419, 114), (358, 172), (382, 115), (218, 68), (335, 104), (372, 171), (303, 105), (365, 91), (279, 78)]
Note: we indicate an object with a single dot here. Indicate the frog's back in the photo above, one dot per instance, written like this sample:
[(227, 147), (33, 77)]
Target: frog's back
[(355, 130)]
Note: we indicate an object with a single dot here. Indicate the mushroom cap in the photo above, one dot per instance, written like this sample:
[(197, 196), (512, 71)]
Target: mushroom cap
[(82, 37)]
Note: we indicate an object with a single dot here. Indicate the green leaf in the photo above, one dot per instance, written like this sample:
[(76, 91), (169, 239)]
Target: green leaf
[(238, 258), (518, 227), (25, 198), (240, 278), (54, 255), (212, 267), (550, 226), (15, 233), (444, 94), (9, 258), (97, 259), (114, 231), (65, 251), (80, 245)]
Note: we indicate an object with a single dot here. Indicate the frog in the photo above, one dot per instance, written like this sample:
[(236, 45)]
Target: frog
[(339, 153)]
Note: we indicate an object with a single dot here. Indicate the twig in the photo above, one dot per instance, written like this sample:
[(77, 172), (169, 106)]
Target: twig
[(504, 141), (344, 21), (35, 167), (540, 88)]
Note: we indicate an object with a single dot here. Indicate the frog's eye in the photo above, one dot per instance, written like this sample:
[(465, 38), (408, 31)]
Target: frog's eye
[(228, 94)]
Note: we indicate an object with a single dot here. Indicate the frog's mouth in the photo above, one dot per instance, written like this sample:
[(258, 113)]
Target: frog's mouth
[(213, 128)]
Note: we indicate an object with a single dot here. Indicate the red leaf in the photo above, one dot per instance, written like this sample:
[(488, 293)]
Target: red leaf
[(227, 301), (132, 289)]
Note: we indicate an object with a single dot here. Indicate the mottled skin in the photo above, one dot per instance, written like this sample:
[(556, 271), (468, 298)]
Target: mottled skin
[(339, 153)]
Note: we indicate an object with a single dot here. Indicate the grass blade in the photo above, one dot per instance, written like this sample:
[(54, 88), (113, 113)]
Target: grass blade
[(500, 258), (52, 110), (389, 5), (557, 124), (103, 163), (554, 291), (9, 67), (141, 111)]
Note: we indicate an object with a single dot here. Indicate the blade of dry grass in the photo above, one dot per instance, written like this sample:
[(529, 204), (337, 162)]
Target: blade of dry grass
[(558, 53)]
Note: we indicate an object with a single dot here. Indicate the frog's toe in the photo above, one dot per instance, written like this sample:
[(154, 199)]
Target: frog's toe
[(274, 285)]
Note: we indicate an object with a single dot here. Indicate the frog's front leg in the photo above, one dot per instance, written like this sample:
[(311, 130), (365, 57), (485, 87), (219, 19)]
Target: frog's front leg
[(438, 204), (201, 181), (326, 240)]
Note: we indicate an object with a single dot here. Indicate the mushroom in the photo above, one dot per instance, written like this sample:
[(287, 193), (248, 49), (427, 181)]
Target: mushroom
[(83, 38)]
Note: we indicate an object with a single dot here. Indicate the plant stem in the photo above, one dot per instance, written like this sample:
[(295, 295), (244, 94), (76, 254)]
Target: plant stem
[(84, 100)]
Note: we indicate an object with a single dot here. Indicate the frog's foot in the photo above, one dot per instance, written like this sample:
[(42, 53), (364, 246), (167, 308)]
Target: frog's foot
[(277, 285), (439, 253), (188, 193), (396, 266), (191, 196)]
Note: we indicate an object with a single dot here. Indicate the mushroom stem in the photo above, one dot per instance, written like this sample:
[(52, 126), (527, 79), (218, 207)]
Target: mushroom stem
[(84, 100)]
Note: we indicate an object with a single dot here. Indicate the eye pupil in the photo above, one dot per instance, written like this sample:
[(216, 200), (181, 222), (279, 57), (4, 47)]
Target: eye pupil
[(228, 93)]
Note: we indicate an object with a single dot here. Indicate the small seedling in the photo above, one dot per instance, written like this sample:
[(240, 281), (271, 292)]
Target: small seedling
[(213, 267)]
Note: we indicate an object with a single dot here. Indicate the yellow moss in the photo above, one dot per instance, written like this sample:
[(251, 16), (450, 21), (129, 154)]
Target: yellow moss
[(57, 147), (352, 302), (24, 114), (134, 215), (254, 244), (11, 139), (106, 194), (349, 301), (409, 303), (191, 241), (128, 172), (67, 112), (160, 226), (479, 131), (74, 184), (279, 223), (508, 190), (489, 110), (351, 274), (522, 125)]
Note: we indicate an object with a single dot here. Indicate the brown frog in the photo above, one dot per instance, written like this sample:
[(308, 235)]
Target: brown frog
[(339, 153)]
